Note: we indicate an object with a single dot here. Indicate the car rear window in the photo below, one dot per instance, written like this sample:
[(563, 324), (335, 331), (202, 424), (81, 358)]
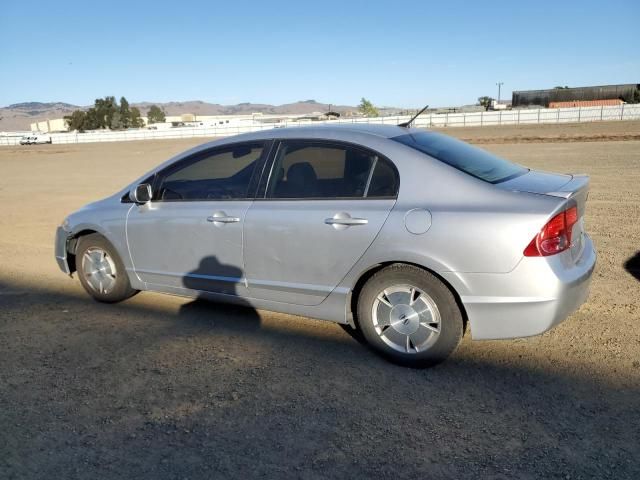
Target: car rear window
[(467, 158)]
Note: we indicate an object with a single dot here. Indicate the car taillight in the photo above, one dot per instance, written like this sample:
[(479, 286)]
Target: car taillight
[(555, 236)]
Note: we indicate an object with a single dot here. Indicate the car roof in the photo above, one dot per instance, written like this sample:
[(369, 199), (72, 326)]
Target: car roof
[(378, 129), (374, 129)]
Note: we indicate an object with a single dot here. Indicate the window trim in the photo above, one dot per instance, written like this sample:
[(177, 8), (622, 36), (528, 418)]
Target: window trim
[(261, 194), (373, 168), (252, 188)]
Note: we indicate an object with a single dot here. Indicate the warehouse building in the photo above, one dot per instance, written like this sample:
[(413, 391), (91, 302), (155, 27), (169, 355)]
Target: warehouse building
[(48, 126), (598, 95)]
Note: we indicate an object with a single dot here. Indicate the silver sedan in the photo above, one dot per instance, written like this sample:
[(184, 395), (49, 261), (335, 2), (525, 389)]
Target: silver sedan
[(405, 235)]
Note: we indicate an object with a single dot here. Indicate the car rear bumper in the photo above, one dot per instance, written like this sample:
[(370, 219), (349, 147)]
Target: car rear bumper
[(538, 294), (62, 237)]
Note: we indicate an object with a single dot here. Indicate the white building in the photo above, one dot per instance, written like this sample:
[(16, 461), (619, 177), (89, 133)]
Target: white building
[(46, 126), (190, 119)]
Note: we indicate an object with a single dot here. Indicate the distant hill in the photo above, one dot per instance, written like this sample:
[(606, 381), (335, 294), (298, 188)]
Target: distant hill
[(39, 106), (203, 108), (19, 116)]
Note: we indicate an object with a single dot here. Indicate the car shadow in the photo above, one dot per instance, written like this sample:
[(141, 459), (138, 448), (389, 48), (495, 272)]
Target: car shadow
[(632, 265), (157, 388), (212, 276)]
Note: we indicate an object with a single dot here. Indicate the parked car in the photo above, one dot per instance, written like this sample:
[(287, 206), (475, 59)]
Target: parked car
[(35, 139), (406, 235)]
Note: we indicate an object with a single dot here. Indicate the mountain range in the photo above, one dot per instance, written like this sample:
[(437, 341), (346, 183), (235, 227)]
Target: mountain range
[(19, 116)]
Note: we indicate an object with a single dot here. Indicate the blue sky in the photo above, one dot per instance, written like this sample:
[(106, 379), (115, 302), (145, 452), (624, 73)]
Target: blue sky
[(402, 54)]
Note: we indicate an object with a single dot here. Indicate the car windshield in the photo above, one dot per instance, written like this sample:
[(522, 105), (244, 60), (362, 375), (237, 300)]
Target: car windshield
[(467, 158)]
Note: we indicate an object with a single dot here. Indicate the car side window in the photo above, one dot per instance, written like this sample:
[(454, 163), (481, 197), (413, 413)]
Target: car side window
[(323, 170), (384, 180), (222, 173)]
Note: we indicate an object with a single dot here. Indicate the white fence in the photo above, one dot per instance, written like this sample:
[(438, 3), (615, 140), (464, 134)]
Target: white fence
[(503, 117), (543, 115)]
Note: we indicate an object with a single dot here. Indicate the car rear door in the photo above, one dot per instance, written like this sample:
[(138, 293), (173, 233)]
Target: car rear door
[(190, 234), (322, 207)]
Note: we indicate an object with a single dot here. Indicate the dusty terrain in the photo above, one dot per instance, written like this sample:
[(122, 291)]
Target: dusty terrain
[(569, 132), (161, 387)]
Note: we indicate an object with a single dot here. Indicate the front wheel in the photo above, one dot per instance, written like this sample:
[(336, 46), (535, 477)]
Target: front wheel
[(101, 272), (409, 316)]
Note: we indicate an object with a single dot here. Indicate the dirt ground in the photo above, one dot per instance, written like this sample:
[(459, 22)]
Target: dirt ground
[(162, 387), (568, 132)]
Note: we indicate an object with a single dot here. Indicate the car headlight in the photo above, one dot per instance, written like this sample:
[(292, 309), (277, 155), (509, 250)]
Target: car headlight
[(65, 225)]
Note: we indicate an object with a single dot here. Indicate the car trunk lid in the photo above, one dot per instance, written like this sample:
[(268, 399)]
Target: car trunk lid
[(536, 181), (574, 189)]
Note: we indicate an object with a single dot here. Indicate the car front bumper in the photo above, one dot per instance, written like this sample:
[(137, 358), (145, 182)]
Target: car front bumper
[(538, 294), (62, 238)]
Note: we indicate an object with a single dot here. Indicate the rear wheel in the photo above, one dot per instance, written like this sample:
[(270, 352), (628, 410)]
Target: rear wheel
[(101, 272), (409, 316)]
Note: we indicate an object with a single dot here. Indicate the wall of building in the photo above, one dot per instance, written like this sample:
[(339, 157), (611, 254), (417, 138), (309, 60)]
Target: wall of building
[(586, 103), (46, 126), (544, 97)]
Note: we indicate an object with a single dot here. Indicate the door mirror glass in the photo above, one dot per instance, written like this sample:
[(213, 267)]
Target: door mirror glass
[(141, 194)]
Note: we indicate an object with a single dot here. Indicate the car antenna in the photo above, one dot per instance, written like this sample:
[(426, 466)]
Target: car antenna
[(408, 124)]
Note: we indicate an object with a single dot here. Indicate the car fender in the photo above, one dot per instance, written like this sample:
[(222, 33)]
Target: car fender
[(112, 227)]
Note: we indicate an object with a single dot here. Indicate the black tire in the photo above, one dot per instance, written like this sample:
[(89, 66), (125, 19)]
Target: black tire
[(119, 285), (354, 333), (430, 292)]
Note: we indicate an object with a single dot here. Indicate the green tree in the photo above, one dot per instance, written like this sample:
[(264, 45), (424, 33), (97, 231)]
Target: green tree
[(116, 121), (155, 115), (125, 113), (105, 108), (92, 121), (485, 102), (76, 121), (367, 108), (136, 119)]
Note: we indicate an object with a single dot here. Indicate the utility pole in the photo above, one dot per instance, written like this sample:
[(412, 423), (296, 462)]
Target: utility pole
[(499, 84)]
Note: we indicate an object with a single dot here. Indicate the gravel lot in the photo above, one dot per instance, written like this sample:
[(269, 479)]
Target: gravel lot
[(162, 387)]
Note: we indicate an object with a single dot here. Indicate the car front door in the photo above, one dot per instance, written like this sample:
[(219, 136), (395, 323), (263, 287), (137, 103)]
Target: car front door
[(322, 207), (190, 235)]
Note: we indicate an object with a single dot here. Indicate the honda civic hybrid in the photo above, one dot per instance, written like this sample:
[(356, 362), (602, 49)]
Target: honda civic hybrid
[(407, 236)]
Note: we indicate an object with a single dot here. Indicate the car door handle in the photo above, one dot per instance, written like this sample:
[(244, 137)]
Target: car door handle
[(345, 220), (222, 218)]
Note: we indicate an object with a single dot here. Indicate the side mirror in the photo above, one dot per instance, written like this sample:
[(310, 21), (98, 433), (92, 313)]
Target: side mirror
[(141, 194)]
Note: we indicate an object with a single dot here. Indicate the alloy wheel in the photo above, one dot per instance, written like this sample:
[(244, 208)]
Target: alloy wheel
[(99, 270), (406, 318)]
